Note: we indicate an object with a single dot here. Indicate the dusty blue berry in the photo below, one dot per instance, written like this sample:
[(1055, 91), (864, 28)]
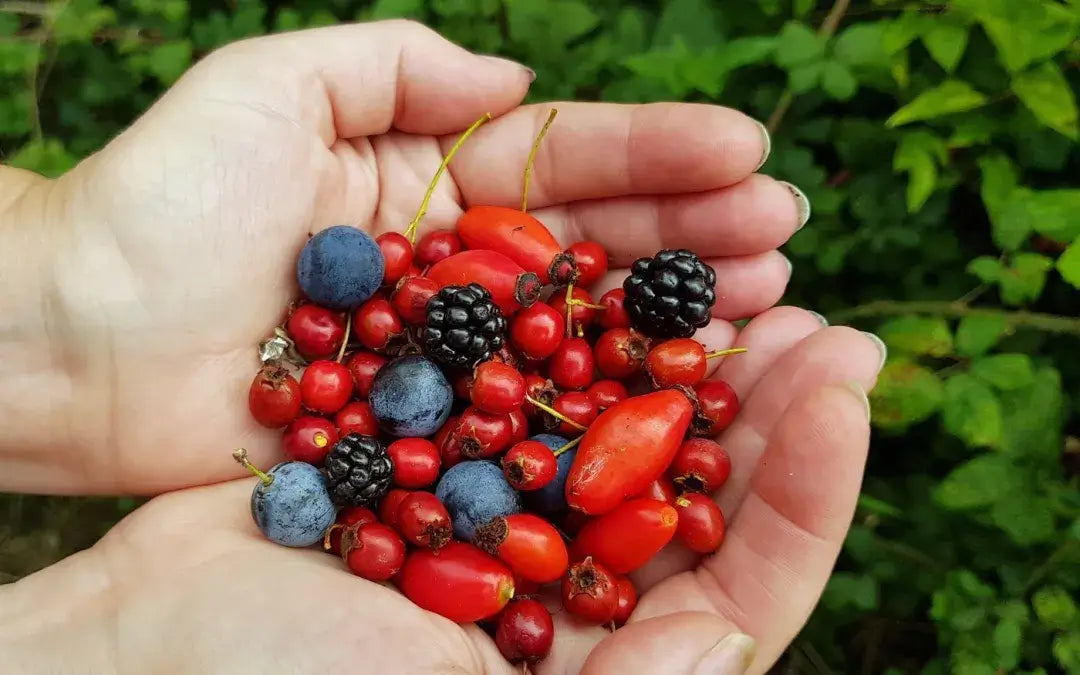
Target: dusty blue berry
[(340, 267), (410, 397), (295, 509), (475, 492)]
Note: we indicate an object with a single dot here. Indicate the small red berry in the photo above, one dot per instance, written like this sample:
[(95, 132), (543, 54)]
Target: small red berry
[(701, 523), (317, 331), (606, 393), (541, 389), (375, 323), (414, 271), (576, 406), (436, 245), (582, 316), (497, 388), (397, 255), (519, 426), (718, 404), (423, 520), (364, 366), (530, 545), (678, 361), (449, 443), (591, 260), (589, 592), (308, 439), (628, 536), (536, 331), (459, 582), (529, 465), (410, 299), (372, 551), (510, 357), (325, 387), (354, 515), (525, 631), (661, 490), (388, 508), (571, 366), (416, 462), (700, 465), (357, 418), (627, 599), (620, 353), (482, 434), (614, 313), (274, 397)]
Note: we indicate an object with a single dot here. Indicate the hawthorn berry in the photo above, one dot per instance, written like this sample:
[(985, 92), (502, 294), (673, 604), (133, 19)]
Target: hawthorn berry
[(357, 418), (627, 599), (718, 404), (571, 366), (525, 631), (325, 387), (364, 366), (529, 465), (375, 323), (614, 313), (606, 393), (274, 397), (536, 331), (540, 389), (620, 352), (354, 515), (575, 406), (660, 489), (676, 361), (497, 388), (448, 442), (372, 551), (410, 299), (317, 331), (423, 520), (701, 522), (482, 434), (436, 245), (308, 439), (591, 261), (584, 311), (589, 592), (397, 256), (700, 465), (416, 462), (519, 426), (388, 508)]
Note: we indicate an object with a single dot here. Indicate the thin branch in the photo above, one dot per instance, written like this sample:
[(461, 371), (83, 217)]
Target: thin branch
[(1050, 323), (27, 8)]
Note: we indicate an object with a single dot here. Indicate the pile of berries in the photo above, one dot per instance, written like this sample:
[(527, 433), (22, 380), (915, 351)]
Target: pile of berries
[(463, 420)]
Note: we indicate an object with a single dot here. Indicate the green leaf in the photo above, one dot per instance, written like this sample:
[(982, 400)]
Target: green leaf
[(1068, 265), (691, 21), (971, 411), (902, 31), (972, 131), (1046, 93), (906, 393), (1023, 31), (745, 51), (987, 269), (978, 482), (1034, 417), (975, 335), (1055, 607), (919, 153), (547, 25), (1005, 371), (802, 79), (1066, 650), (1024, 279), (393, 9), (1027, 519), (800, 8), (1008, 638), (837, 81), (951, 96), (860, 46), (917, 335), (169, 61), (47, 157), (797, 45), (858, 591), (946, 41)]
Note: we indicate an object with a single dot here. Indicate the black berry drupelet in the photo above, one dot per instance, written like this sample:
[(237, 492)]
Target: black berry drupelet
[(464, 326), (359, 471), (670, 295)]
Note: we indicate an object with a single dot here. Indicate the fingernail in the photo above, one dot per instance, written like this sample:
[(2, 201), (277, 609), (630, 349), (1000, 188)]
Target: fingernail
[(766, 145), (790, 267), (531, 73), (860, 393), (730, 656), (499, 59), (880, 345), (802, 204), (822, 320)]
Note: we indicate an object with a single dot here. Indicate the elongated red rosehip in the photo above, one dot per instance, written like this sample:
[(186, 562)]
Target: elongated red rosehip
[(530, 545), (482, 434), (316, 331), (497, 388), (626, 448), (308, 439), (525, 631), (372, 551), (606, 393), (614, 313), (375, 323), (575, 406), (571, 366), (536, 331), (397, 255), (423, 520), (620, 353), (660, 489), (511, 287), (364, 366), (519, 426), (410, 299), (700, 465), (436, 245), (584, 311), (325, 387), (388, 508), (701, 522), (626, 537), (514, 233), (627, 600), (718, 404), (274, 397), (591, 260), (460, 582), (529, 465), (354, 515), (416, 462), (589, 592), (356, 418)]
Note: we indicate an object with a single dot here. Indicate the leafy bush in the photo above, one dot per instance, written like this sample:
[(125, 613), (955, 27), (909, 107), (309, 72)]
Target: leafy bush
[(936, 141)]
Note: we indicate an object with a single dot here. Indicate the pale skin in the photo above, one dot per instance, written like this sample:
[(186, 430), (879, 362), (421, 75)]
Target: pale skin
[(137, 287)]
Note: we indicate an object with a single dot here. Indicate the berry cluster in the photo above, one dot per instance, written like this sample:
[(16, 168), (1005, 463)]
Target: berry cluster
[(462, 419)]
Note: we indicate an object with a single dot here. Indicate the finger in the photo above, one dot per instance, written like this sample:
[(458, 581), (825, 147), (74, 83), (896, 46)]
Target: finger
[(755, 215), (597, 150), (780, 550)]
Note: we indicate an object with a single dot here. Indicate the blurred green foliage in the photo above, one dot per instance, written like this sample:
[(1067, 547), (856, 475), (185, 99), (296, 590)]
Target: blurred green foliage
[(937, 141)]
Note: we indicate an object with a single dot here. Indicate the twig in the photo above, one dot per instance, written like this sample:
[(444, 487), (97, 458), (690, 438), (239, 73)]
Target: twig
[(1050, 323), (1047, 565), (28, 8)]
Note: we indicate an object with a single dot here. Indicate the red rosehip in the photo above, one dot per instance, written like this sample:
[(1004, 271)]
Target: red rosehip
[(536, 331), (591, 260), (364, 366), (571, 366), (436, 245), (701, 523), (606, 393), (700, 465), (676, 361), (575, 406), (449, 443), (530, 545), (459, 582), (357, 418), (423, 520), (511, 286), (497, 388), (589, 592), (325, 387), (627, 599), (416, 462), (540, 389), (274, 397), (410, 299), (388, 508), (525, 631), (375, 323), (583, 315), (620, 353), (308, 439), (397, 255), (372, 551), (661, 490), (529, 465), (354, 515), (614, 313), (519, 426), (718, 404), (628, 536), (482, 434), (317, 331)]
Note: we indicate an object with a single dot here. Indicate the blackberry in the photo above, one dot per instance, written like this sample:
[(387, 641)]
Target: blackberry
[(671, 294), (358, 471), (464, 326)]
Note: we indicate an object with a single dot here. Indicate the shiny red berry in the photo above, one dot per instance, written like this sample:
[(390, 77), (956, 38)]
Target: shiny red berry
[(397, 255), (375, 323), (497, 388), (519, 426), (317, 331), (423, 520), (627, 599), (529, 465), (436, 245), (364, 366), (326, 386), (606, 393), (388, 508), (357, 418), (274, 397), (576, 406), (571, 366), (372, 551), (536, 331), (416, 462), (525, 631), (661, 490), (614, 313), (718, 404), (308, 439), (459, 582), (354, 515), (591, 260), (540, 389), (678, 361), (582, 316), (620, 353), (410, 299), (449, 443), (589, 592), (700, 465), (701, 523), (530, 545), (482, 434)]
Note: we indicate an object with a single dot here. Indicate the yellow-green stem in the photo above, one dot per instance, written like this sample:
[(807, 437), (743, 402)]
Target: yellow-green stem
[(532, 158), (345, 340), (555, 413), (240, 455), (569, 309), (569, 445), (725, 352)]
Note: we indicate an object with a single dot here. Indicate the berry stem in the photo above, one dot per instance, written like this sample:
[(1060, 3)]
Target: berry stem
[(241, 456), (555, 413), (569, 309), (725, 352), (568, 446), (326, 536), (581, 303), (345, 340), (410, 231), (532, 158)]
